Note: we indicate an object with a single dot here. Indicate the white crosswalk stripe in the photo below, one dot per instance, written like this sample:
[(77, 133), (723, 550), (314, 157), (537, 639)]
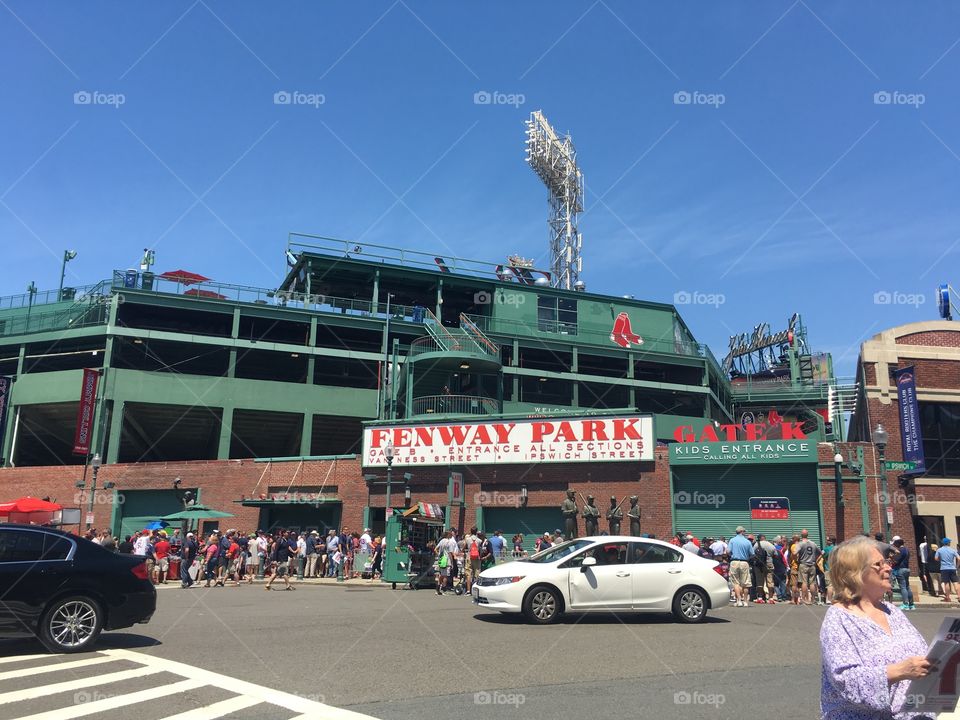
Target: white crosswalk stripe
[(113, 666)]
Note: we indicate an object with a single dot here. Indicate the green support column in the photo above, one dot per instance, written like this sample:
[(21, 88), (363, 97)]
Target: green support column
[(226, 427), (232, 364), (515, 362), (307, 435), (105, 393), (574, 369), (439, 299), (116, 432), (235, 328), (376, 300), (11, 410)]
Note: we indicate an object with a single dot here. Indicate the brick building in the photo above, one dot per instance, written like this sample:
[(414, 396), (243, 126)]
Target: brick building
[(924, 502)]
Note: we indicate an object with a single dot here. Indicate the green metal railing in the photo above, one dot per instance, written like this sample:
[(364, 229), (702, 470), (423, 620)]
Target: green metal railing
[(455, 405), (44, 297), (380, 254)]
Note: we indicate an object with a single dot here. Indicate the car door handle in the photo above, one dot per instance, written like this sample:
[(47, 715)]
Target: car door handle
[(623, 574), (674, 572)]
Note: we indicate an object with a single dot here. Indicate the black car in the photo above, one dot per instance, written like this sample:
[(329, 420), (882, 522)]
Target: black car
[(65, 589)]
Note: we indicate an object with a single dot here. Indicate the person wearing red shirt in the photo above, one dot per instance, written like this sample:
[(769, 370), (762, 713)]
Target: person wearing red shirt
[(162, 550)]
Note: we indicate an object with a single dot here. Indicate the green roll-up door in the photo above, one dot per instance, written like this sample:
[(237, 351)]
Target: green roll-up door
[(139, 507), (712, 501), (532, 522)]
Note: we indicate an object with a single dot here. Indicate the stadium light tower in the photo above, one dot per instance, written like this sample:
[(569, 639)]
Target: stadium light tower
[(554, 160)]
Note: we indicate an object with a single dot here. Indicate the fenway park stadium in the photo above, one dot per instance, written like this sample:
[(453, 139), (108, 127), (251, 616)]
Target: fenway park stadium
[(375, 379)]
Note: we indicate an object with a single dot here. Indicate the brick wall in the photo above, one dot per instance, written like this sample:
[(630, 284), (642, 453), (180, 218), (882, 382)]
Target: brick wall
[(224, 482), (932, 338)]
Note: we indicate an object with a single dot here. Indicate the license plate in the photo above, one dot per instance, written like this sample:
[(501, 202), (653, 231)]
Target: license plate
[(476, 593)]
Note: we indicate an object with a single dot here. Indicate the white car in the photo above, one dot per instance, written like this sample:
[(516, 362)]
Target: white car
[(618, 573)]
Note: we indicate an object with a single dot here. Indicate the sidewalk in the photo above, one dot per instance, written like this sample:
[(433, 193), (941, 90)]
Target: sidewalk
[(278, 583)]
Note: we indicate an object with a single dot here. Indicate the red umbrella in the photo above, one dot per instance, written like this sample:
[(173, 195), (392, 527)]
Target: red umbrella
[(183, 276), (197, 292), (28, 505)]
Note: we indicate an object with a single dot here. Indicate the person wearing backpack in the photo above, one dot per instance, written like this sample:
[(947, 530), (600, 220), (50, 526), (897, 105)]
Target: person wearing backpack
[(758, 568), (471, 555), (487, 558), (779, 571)]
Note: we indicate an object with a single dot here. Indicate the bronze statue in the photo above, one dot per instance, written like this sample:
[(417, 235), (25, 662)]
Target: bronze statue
[(614, 516), (634, 514), (569, 511), (591, 517)]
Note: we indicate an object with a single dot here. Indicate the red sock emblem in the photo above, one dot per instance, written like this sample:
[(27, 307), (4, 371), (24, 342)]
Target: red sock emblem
[(616, 335)]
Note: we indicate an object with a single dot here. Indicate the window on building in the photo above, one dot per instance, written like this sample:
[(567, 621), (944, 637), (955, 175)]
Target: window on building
[(557, 315), (940, 429)]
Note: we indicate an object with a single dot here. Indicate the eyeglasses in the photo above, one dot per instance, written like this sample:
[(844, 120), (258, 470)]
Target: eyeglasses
[(878, 566)]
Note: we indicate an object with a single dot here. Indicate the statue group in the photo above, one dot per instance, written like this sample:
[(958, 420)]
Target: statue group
[(591, 516)]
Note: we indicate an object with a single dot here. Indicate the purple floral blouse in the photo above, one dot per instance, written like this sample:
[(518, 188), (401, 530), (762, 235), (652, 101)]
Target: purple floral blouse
[(856, 652)]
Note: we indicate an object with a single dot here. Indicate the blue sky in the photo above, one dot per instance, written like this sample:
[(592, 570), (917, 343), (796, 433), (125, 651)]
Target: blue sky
[(786, 185)]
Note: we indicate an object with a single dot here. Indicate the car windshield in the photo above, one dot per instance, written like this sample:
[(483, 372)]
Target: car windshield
[(558, 552)]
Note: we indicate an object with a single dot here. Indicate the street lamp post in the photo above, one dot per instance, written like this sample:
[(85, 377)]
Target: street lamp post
[(880, 440), (388, 452), (838, 477), (68, 255), (95, 463), (31, 293)]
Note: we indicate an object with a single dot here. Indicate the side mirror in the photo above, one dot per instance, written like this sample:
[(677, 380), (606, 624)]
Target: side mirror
[(588, 562)]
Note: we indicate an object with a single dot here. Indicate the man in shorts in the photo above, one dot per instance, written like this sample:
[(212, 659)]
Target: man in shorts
[(161, 550), (807, 553), (947, 557), (741, 550), (471, 557)]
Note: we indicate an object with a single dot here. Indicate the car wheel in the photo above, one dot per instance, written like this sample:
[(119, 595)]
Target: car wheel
[(690, 605), (542, 605), (71, 624)]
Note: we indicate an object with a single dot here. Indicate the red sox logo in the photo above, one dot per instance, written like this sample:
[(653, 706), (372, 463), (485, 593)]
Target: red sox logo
[(622, 334)]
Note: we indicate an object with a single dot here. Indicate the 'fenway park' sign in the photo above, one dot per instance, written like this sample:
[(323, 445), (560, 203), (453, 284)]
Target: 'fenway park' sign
[(553, 440)]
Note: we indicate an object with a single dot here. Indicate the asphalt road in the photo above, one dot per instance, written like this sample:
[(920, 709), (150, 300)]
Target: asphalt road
[(399, 654)]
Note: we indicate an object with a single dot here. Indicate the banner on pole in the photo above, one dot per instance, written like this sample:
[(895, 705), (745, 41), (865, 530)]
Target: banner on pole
[(910, 418), (88, 402)]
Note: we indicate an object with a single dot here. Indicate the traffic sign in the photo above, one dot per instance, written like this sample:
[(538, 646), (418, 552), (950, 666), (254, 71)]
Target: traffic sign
[(900, 466)]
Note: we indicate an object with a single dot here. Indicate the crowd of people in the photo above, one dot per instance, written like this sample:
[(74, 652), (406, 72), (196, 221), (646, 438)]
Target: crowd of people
[(796, 570), (234, 557)]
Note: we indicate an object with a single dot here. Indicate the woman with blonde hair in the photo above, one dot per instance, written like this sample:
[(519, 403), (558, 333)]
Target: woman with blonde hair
[(870, 650)]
